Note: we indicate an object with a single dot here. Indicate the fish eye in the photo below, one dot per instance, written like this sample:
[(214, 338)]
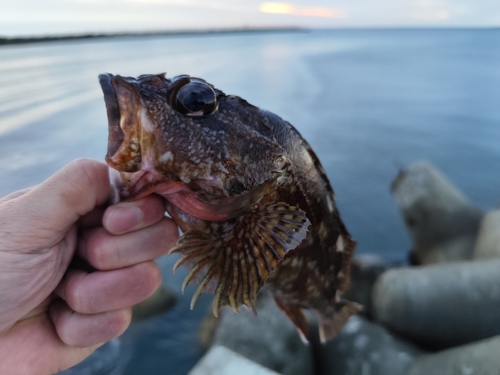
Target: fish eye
[(195, 99)]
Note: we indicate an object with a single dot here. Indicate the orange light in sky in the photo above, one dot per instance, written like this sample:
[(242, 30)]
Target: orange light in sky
[(284, 8), (276, 8)]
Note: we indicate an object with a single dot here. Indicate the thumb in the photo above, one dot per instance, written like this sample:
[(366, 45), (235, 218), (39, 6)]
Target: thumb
[(63, 198)]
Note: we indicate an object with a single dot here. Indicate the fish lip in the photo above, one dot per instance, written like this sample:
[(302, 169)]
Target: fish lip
[(115, 133)]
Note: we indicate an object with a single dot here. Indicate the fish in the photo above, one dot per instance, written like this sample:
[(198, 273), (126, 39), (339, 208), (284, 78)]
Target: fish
[(255, 207)]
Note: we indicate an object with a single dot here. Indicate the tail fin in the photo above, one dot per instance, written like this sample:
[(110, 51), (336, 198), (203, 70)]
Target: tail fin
[(330, 327)]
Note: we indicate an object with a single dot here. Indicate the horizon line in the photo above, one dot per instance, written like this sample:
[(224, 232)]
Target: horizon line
[(7, 40)]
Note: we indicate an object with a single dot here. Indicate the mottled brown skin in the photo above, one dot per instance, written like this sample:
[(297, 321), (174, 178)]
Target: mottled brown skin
[(248, 191)]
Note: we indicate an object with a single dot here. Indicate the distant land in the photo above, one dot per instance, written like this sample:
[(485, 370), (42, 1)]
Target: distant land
[(55, 38)]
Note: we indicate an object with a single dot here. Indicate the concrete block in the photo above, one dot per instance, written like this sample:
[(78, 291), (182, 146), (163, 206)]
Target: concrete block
[(441, 305), (442, 223), (268, 338), (220, 360), (366, 348), (480, 358), (488, 240)]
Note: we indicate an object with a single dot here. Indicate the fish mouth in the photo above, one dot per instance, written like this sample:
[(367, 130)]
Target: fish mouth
[(115, 133), (124, 125)]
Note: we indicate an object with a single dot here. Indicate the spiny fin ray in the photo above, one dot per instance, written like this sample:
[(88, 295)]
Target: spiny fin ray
[(235, 266)]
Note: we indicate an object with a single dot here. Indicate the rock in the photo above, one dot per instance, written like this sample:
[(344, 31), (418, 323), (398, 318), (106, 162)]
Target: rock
[(222, 361), (443, 305), (365, 269), (366, 348), (269, 338), (442, 223), (160, 301), (480, 358), (488, 239)]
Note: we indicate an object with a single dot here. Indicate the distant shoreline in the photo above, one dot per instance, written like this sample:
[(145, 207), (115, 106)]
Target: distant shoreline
[(253, 30), (41, 39)]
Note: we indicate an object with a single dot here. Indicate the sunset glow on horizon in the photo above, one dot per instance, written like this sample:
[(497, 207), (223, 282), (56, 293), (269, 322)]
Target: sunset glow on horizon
[(62, 17), (285, 8)]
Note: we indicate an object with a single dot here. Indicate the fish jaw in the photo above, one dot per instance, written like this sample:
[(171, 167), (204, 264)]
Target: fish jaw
[(124, 110)]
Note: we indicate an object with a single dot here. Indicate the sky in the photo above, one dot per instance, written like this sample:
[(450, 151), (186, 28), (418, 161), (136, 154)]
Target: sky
[(53, 17)]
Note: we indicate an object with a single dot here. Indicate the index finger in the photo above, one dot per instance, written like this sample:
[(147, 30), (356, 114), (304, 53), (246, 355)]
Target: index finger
[(125, 217)]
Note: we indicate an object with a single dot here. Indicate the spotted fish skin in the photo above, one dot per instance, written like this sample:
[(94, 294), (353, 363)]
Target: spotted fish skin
[(249, 193), (317, 272)]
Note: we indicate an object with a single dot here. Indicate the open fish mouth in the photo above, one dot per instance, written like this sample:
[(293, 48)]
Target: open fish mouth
[(124, 125), (115, 134)]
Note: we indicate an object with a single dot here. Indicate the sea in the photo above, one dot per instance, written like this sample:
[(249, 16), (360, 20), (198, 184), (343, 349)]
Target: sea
[(369, 101)]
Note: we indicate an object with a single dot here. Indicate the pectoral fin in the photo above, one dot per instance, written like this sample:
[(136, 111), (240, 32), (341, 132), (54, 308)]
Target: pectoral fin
[(235, 266)]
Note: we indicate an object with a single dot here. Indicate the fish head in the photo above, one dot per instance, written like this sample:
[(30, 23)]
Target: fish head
[(188, 141)]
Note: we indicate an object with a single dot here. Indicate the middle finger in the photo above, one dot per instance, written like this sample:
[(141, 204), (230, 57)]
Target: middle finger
[(101, 291), (106, 251)]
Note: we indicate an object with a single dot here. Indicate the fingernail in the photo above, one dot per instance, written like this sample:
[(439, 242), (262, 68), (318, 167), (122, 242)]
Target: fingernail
[(122, 219)]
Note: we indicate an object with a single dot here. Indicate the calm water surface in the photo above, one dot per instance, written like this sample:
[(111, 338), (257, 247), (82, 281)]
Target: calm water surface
[(368, 101)]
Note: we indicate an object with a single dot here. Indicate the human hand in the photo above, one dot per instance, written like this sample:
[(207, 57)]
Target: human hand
[(41, 229)]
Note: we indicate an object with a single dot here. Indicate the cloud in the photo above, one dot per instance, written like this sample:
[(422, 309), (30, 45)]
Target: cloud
[(285, 8)]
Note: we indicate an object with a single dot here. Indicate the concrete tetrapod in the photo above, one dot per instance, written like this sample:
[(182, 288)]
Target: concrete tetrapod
[(441, 221), (488, 239), (268, 338), (481, 358), (441, 305), (366, 348), (223, 361)]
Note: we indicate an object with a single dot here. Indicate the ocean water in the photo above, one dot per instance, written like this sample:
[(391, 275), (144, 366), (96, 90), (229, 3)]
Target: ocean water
[(368, 101)]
